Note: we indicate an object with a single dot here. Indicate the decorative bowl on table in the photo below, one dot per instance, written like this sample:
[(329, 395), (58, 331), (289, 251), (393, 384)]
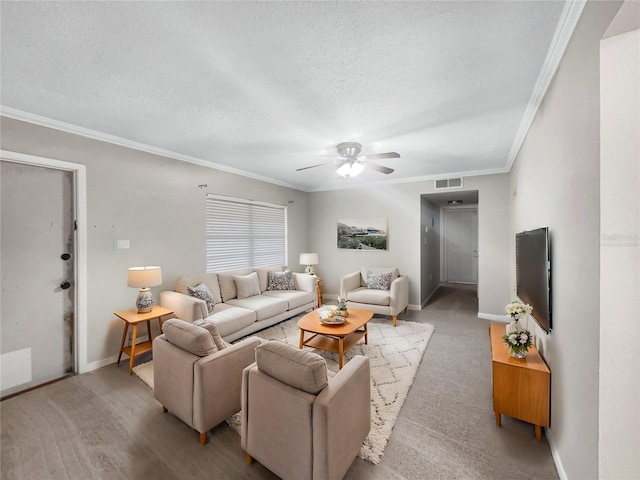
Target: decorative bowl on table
[(335, 320)]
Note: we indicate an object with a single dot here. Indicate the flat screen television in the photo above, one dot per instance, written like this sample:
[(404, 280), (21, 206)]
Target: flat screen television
[(533, 273)]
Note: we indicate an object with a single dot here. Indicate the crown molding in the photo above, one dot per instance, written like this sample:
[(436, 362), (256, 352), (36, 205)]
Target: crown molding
[(566, 25), (124, 142)]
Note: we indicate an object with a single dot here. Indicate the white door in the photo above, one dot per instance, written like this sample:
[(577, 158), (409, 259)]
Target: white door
[(461, 245), (37, 275)]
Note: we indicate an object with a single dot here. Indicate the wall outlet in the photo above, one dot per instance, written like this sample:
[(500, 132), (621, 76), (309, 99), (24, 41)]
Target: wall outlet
[(121, 244)]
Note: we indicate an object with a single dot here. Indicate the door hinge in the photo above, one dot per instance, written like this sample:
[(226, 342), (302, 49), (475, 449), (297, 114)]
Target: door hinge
[(75, 225)]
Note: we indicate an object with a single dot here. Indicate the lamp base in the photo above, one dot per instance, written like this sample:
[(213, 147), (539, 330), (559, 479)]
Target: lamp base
[(145, 301), (309, 270)]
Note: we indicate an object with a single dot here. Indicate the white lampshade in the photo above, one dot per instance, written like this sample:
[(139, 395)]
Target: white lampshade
[(349, 170), (141, 277), (308, 259)]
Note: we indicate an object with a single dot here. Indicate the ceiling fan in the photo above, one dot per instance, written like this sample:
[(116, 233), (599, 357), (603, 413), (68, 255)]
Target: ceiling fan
[(350, 163)]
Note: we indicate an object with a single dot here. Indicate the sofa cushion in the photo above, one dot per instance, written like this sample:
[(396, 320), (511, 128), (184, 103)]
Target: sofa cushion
[(212, 328), (203, 292), (209, 279), (280, 281), (305, 371), (264, 306), (247, 285), (263, 275), (230, 319), (228, 284), (379, 281), (189, 337), (295, 298), (365, 270), (370, 296)]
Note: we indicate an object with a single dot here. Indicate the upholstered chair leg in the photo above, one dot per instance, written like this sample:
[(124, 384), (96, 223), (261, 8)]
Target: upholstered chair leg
[(249, 459), (203, 438), (395, 320), (164, 409)]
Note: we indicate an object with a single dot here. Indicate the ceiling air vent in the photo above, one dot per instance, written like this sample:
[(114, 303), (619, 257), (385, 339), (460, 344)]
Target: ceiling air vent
[(448, 183)]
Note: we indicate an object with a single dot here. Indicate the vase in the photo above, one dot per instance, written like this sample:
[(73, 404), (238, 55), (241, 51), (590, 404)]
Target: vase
[(517, 354), (513, 326)]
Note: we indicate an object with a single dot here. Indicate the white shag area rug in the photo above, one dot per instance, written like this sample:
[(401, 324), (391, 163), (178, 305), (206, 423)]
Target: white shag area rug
[(394, 354)]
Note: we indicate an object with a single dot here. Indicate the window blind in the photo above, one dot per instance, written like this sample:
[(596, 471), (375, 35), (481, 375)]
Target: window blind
[(244, 233)]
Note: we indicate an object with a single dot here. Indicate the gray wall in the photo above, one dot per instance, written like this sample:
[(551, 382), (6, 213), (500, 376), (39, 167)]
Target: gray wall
[(430, 236), (156, 204), (555, 183), (401, 204)]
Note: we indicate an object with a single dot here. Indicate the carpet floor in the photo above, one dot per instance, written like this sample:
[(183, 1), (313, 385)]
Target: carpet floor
[(394, 354), (105, 424)]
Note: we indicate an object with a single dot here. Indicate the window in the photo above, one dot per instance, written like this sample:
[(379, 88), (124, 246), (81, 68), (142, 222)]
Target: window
[(244, 233)]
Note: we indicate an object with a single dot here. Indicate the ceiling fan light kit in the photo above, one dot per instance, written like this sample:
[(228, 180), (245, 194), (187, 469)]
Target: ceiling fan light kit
[(349, 170), (351, 163)]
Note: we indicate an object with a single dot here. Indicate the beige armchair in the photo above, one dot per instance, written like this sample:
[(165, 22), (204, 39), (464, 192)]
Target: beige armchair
[(380, 289), (196, 378), (298, 424)]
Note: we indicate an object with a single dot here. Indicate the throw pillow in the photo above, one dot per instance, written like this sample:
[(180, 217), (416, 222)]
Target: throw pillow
[(203, 292), (212, 328), (281, 281), (247, 285), (189, 337), (378, 281)]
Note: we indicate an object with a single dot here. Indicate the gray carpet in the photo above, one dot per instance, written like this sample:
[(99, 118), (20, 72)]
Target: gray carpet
[(106, 424)]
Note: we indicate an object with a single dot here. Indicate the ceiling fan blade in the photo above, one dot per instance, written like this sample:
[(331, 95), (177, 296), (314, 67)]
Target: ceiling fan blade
[(314, 166), (379, 168), (379, 156)]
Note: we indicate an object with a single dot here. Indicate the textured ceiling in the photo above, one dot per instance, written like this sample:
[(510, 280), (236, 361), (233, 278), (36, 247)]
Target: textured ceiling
[(265, 88)]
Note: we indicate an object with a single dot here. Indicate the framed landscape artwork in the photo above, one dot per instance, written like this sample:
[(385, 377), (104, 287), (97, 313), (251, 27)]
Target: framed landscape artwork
[(363, 233)]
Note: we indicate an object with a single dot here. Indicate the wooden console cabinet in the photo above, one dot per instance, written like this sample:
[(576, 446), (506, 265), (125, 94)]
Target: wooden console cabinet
[(521, 387)]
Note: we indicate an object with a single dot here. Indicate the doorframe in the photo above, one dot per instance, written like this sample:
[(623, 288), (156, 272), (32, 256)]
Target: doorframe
[(443, 239), (80, 258)]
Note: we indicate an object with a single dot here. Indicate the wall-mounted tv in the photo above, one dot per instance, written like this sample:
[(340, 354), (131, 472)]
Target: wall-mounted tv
[(533, 273)]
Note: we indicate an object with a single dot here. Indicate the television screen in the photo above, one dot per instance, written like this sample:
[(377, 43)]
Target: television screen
[(533, 273)]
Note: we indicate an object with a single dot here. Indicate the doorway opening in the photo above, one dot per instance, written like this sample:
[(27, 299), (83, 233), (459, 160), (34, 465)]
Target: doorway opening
[(449, 240)]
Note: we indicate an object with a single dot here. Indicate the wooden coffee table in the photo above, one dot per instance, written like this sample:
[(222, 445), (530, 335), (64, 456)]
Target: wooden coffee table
[(335, 338)]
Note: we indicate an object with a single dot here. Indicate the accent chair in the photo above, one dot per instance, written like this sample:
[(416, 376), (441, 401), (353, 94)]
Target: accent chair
[(380, 289), (197, 376), (295, 421)]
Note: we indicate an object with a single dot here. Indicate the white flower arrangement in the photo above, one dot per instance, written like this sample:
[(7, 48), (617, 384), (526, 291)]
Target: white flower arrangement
[(518, 341), (517, 309)]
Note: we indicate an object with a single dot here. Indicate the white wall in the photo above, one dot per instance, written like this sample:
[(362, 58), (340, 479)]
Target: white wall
[(401, 203), (619, 409), (555, 183), (156, 204)]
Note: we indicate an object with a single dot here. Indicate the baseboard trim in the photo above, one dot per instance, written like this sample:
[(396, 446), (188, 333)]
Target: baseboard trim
[(556, 456), (102, 363), (493, 318), (114, 358), (424, 304)]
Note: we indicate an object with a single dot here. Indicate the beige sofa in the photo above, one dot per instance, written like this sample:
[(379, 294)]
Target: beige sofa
[(236, 314), (364, 289), (295, 421)]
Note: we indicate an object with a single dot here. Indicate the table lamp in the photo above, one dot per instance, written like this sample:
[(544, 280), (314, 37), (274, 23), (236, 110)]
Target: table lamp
[(143, 278), (309, 259)]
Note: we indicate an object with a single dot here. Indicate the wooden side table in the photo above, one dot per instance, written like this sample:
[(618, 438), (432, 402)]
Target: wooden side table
[(319, 292), (132, 317), (521, 386)]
